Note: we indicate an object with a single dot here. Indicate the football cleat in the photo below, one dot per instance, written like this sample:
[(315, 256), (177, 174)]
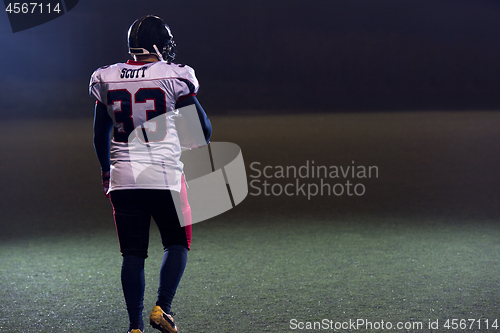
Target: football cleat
[(162, 321), (136, 331)]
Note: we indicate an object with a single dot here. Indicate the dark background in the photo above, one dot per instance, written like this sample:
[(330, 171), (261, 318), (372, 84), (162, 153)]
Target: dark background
[(271, 56), (333, 64)]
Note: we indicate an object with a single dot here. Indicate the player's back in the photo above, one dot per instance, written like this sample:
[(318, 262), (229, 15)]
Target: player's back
[(136, 94)]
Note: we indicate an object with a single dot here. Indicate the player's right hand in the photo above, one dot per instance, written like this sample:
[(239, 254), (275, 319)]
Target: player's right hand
[(105, 182)]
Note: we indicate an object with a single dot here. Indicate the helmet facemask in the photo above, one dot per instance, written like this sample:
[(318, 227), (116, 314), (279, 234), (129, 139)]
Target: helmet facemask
[(169, 51)]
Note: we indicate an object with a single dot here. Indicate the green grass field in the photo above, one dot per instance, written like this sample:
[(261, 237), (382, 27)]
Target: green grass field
[(421, 245)]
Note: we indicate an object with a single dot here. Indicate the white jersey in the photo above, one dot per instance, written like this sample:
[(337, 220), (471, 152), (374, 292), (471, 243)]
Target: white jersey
[(135, 94)]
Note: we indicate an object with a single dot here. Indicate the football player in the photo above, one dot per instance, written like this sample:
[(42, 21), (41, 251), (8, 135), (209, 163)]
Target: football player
[(130, 99)]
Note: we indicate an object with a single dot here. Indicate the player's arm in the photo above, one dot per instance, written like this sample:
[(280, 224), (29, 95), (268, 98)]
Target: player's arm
[(102, 132), (206, 125)]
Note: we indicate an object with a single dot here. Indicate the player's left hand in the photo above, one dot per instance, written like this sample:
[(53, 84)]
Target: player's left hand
[(105, 182)]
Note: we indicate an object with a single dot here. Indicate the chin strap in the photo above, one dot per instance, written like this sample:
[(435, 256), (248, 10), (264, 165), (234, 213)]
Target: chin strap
[(160, 57)]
